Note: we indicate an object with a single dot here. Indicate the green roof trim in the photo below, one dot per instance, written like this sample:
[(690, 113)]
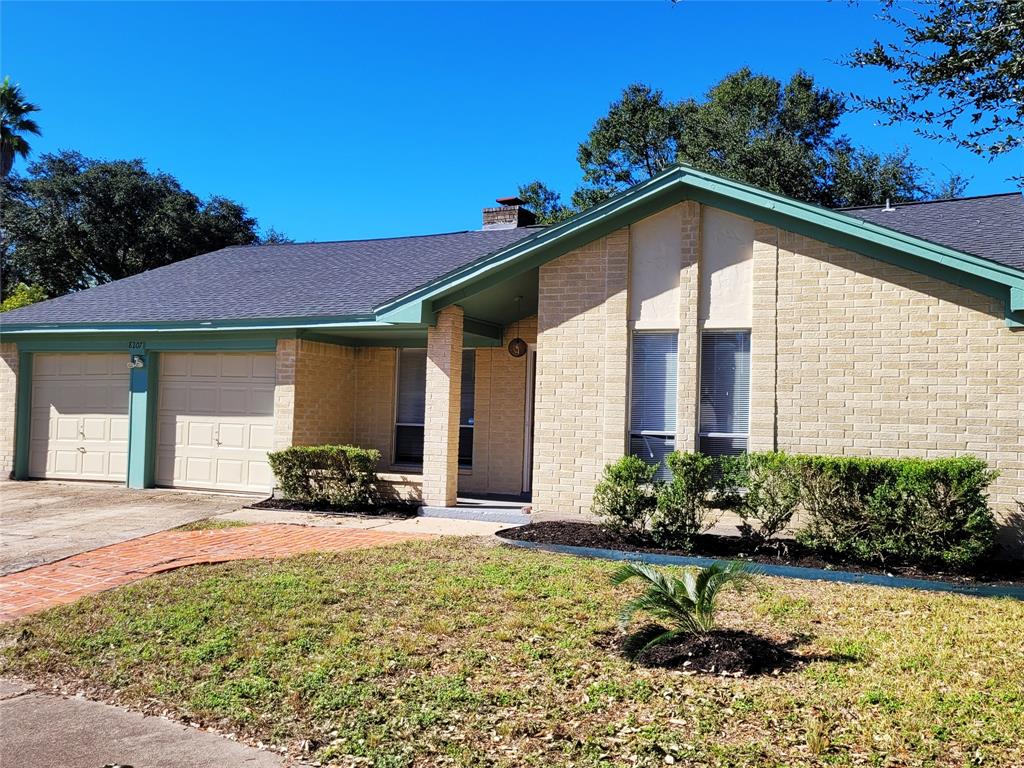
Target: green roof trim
[(685, 183)]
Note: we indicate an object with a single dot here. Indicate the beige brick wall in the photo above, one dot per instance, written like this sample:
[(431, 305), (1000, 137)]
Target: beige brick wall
[(441, 412), (688, 373), (324, 394), (284, 393), (877, 360), (500, 417), (849, 356), (582, 356), (374, 416), (8, 405)]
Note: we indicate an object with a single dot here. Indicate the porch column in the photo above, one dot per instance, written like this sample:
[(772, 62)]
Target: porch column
[(441, 415)]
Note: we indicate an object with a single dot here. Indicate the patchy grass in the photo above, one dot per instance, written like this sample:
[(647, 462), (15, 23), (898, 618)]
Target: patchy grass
[(211, 524), (453, 653)]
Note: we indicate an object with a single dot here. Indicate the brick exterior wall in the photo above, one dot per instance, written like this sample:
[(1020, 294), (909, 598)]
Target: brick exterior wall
[(8, 405), (582, 361), (324, 394), (284, 393), (877, 360), (849, 356), (375, 369), (441, 416)]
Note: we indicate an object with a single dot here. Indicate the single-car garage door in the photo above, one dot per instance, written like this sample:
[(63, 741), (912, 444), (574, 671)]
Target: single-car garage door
[(215, 420), (79, 424)]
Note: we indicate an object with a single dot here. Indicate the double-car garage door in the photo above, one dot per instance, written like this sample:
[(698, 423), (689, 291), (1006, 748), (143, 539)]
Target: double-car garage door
[(215, 419)]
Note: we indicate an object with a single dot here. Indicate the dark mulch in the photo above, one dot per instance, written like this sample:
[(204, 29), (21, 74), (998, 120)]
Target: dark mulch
[(720, 652), (390, 511), (786, 552)]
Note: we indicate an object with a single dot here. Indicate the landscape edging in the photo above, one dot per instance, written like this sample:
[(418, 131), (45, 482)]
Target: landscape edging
[(787, 571)]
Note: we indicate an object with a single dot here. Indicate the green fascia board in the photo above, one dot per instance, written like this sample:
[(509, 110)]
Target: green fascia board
[(685, 183), (119, 342), (23, 415), (213, 326)]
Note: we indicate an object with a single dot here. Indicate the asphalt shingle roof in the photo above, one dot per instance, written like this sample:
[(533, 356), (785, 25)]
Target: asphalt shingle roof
[(991, 227), (291, 280)]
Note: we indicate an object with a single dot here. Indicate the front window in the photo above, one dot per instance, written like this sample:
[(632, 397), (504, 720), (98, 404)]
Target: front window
[(652, 402), (724, 392), (409, 410)]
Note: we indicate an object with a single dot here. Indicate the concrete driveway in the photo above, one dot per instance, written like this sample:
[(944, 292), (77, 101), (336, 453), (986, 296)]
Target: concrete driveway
[(42, 521)]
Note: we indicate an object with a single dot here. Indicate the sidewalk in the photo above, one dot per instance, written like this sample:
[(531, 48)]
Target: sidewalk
[(42, 730)]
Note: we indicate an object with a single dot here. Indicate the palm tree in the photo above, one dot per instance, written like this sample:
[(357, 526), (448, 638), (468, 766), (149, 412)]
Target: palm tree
[(14, 124), (688, 602)]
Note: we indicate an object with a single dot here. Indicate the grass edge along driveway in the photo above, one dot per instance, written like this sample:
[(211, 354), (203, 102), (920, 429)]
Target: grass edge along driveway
[(451, 652)]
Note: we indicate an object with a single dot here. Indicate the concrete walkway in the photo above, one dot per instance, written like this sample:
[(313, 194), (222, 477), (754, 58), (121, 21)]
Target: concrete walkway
[(67, 580), (41, 730), (42, 521)]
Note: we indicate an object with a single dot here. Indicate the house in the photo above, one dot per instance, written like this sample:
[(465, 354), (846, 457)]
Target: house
[(690, 312)]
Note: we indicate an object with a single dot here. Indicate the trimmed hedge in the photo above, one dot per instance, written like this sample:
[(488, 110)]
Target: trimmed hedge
[(929, 512), (339, 475)]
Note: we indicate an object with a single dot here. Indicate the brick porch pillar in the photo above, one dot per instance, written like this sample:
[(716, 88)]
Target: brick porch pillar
[(441, 417)]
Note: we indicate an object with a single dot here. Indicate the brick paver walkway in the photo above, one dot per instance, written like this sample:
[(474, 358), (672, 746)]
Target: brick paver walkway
[(97, 570)]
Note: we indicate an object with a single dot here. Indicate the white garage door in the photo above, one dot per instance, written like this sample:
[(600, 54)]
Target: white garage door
[(215, 421), (79, 428)]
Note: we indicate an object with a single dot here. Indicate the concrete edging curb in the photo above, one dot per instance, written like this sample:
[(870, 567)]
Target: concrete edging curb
[(787, 571)]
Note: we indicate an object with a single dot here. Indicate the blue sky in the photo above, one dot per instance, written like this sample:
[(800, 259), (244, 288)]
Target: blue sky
[(343, 120)]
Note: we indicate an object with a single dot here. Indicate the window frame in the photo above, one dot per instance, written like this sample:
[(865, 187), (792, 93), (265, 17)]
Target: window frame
[(700, 383), (396, 424), (672, 437)]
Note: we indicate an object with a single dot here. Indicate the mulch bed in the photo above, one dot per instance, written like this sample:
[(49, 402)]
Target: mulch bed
[(729, 652), (391, 511), (788, 552)]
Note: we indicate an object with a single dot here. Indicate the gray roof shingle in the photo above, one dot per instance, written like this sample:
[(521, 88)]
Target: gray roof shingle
[(291, 280), (991, 227)]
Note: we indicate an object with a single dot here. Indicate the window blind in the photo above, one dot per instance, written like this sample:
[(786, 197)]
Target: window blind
[(724, 392), (410, 406), (652, 402)]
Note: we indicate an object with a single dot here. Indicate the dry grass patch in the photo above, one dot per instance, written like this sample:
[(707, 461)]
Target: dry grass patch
[(451, 653)]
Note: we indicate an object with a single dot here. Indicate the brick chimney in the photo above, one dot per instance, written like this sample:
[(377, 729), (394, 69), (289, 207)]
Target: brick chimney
[(509, 214)]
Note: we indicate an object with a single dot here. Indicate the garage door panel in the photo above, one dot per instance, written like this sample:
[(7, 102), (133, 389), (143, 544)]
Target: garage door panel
[(264, 367), (222, 419), (79, 416)]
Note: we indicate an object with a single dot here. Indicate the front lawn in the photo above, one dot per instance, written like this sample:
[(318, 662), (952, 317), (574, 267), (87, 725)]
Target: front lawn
[(452, 652)]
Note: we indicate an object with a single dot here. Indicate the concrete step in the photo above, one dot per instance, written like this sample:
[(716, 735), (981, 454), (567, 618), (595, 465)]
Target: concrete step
[(510, 514)]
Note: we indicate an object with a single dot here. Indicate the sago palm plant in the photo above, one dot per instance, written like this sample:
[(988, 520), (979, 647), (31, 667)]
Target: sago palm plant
[(687, 603)]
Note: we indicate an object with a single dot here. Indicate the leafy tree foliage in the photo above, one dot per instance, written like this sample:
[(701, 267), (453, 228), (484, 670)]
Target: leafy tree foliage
[(22, 296), (960, 68), (14, 124), (754, 128), (74, 222)]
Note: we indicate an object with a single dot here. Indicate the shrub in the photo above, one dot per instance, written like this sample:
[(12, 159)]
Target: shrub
[(339, 475), (625, 498), (764, 490), (688, 603), (686, 501), (911, 511)]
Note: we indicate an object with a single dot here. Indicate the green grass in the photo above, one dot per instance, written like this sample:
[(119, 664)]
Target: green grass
[(455, 653), (211, 524)]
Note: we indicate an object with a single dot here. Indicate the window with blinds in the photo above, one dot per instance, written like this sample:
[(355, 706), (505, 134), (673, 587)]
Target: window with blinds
[(724, 392), (409, 410), (652, 399)]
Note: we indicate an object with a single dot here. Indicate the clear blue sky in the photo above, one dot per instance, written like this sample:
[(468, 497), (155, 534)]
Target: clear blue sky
[(336, 120)]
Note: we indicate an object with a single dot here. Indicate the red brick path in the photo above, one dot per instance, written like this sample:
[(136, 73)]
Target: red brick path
[(97, 570)]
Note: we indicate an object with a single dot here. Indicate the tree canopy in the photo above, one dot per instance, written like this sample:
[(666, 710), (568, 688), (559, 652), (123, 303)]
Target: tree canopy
[(74, 222), (753, 128), (959, 65)]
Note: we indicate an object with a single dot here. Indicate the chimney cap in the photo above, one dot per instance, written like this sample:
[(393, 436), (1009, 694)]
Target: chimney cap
[(510, 200)]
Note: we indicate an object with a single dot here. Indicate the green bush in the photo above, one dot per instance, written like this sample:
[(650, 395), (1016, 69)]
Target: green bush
[(625, 498), (931, 512), (339, 475), (764, 490), (685, 502)]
